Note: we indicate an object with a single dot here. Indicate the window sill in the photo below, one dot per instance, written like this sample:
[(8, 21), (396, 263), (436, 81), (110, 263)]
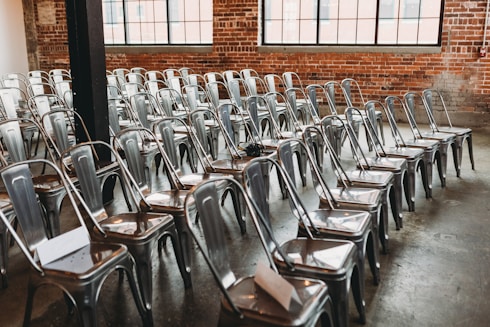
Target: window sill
[(135, 49), (349, 49)]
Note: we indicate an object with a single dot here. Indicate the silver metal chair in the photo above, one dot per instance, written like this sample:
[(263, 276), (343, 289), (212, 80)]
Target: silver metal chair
[(351, 88), (430, 147), (169, 200), (413, 102), (360, 178), (243, 302), (414, 156), (79, 274), (309, 256), (329, 222), (398, 166), (433, 98), (140, 231)]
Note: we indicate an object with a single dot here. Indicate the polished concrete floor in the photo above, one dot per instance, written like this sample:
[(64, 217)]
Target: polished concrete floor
[(436, 273)]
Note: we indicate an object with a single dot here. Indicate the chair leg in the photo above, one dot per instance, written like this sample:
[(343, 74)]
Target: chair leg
[(142, 257), (372, 256), (31, 291), (339, 292), (181, 242), (3, 256), (470, 150), (442, 168), (410, 184), (396, 200), (357, 280), (147, 316)]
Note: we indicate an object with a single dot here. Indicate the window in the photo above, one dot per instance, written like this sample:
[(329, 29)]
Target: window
[(159, 22), (352, 22)]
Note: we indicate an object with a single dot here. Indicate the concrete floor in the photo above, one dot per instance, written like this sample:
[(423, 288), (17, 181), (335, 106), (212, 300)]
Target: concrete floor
[(436, 274)]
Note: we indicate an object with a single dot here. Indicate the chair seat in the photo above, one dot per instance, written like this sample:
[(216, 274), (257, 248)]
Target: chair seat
[(404, 152), (455, 130), (170, 200), (372, 178), (137, 224), (257, 305), (353, 223), (390, 164), (318, 257), (82, 263), (357, 197), (445, 137), (190, 180), (421, 143)]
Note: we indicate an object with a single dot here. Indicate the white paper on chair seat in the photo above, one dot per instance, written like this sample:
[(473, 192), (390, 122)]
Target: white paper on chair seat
[(275, 285), (59, 246)]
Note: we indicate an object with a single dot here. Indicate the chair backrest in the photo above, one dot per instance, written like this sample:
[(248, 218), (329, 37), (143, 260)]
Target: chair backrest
[(17, 178), (433, 99), (207, 202), (392, 102), (334, 93), (352, 93), (13, 140), (315, 92), (255, 187), (235, 94), (292, 79), (84, 163), (7, 103), (230, 75), (413, 103), (20, 187), (248, 72), (274, 82)]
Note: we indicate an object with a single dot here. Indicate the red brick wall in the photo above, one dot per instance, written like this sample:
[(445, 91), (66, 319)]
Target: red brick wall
[(457, 70)]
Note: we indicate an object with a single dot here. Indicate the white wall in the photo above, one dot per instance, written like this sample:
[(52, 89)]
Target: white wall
[(13, 50)]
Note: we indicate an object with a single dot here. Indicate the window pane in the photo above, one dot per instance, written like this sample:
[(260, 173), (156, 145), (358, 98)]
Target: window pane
[(146, 21), (408, 31), (161, 35), (388, 9), (352, 21), (328, 32), (365, 31), (347, 9), (308, 9), (430, 28), (348, 29), (430, 8), (387, 31), (273, 32), (367, 9), (308, 31)]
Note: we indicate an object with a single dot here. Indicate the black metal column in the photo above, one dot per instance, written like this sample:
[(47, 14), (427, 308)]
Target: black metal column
[(87, 63)]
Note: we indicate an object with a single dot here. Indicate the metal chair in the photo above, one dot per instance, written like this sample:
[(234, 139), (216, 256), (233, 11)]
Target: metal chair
[(414, 156), (346, 198), (329, 222), (430, 147), (334, 261), (414, 100), (81, 273), (140, 231), (47, 185), (167, 200), (433, 97), (243, 302), (398, 166), (347, 87), (360, 178)]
